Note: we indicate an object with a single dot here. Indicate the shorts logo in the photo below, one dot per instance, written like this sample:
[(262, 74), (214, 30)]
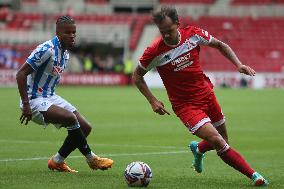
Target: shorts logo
[(43, 103), (187, 125)]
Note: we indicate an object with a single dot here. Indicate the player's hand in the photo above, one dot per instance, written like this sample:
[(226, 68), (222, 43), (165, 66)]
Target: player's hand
[(26, 114), (246, 70), (159, 107)]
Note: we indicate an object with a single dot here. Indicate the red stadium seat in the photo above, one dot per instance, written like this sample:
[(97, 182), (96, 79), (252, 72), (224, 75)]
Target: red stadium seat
[(251, 2), (30, 1), (187, 1), (97, 1), (4, 12), (256, 42)]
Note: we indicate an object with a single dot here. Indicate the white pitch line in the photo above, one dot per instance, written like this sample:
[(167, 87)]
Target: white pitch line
[(140, 146), (98, 144), (109, 155)]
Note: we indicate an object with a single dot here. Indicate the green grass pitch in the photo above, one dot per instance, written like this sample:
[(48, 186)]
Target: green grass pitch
[(125, 129)]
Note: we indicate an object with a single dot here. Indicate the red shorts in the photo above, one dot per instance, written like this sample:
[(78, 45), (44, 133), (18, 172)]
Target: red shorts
[(195, 115)]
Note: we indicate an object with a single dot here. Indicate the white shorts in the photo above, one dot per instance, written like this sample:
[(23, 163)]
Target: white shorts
[(41, 104)]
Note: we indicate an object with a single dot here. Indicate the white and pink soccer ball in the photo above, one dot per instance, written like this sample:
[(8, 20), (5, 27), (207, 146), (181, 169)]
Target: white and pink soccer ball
[(138, 174)]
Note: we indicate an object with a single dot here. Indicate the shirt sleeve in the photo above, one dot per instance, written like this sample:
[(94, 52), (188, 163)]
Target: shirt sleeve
[(39, 56), (146, 59), (203, 37)]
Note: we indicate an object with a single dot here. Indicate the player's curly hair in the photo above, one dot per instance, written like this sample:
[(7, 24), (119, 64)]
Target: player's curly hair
[(65, 19), (159, 15)]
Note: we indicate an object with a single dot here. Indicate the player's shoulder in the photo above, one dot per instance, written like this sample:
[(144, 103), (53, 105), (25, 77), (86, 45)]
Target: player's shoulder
[(44, 49), (198, 34), (155, 47), (46, 46), (190, 29)]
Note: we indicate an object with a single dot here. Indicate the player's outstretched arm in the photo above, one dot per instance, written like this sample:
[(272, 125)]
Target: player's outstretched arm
[(138, 79), (230, 55), (21, 78)]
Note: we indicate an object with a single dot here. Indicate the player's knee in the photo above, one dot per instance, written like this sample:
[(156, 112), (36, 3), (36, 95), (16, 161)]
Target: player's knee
[(70, 119), (217, 141), (87, 130)]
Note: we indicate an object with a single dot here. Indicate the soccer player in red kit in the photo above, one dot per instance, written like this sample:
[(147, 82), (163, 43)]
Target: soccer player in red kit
[(175, 55)]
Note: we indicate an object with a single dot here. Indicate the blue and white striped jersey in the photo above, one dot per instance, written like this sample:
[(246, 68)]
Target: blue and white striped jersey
[(48, 61)]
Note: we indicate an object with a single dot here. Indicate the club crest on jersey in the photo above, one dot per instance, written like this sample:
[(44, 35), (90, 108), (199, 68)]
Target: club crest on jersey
[(190, 45)]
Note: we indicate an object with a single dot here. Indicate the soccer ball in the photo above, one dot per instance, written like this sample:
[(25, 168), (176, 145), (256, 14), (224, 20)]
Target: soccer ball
[(138, 174)]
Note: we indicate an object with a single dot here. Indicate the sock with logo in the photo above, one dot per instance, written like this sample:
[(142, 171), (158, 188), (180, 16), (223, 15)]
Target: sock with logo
[(90, 155), (57, 158)]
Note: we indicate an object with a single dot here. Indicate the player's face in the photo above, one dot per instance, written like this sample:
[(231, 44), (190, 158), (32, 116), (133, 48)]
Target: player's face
[(66, 34), (169, 31)]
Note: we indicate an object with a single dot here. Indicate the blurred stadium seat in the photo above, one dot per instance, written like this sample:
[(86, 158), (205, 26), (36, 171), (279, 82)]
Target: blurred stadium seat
[(187, 1), (252, 2), (254, 34)]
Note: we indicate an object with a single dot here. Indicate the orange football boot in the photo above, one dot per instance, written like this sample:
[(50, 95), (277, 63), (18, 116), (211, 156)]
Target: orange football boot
[(100, 163), (61, 167)]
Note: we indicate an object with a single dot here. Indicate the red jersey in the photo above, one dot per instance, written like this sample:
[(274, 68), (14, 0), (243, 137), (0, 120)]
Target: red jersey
[(179, 66)]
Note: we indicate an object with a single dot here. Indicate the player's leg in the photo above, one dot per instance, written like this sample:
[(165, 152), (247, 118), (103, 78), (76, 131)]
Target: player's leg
[(61, 116), (222, 130), (84, 124), (58, 115), (75, 138), (227, 154), (217, 118), (204, 146), (61, 113), (94, 162), (194, 118)]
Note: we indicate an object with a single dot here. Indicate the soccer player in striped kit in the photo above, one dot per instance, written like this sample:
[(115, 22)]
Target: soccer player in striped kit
[(175, 55), (37, 79)]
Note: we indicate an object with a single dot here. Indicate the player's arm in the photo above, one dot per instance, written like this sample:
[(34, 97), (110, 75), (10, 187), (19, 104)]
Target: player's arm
[(21, 78), (138, 79), (230, 55)]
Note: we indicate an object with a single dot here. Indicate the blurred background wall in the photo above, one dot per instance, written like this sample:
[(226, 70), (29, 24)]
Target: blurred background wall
[(112, 35)]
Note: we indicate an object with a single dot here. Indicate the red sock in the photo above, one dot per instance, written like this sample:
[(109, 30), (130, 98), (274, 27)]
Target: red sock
[(204, 146), (235, 160)]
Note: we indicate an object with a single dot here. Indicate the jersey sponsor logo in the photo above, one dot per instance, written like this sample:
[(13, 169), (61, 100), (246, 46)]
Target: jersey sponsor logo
[(182, 66), (181, 62)]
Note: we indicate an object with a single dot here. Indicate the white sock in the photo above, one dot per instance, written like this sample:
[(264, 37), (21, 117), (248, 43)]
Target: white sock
[(90, 155), (58, 158)]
